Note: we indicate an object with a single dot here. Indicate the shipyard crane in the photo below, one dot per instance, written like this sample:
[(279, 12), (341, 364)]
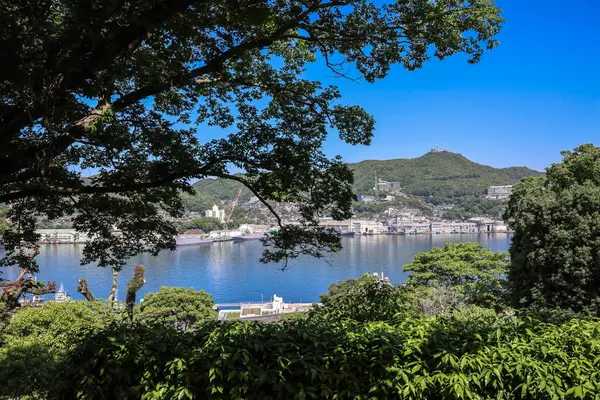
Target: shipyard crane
[(228, 218)]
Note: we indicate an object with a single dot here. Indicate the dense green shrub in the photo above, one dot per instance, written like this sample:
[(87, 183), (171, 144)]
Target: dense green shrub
[(177, 307), (368, 298), (476, 272), (474, 354), (37, 341)]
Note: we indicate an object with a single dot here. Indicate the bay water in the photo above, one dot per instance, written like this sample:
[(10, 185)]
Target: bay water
[(231, 272)]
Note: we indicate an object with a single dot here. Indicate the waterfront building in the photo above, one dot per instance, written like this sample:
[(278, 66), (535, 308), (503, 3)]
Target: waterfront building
[(453, 227), (415, 228), (499, 192), (216, 213), (483, 224), (367, 227), (360, 226), (259, 228), (342, 226), (386, 186), (62, 236)]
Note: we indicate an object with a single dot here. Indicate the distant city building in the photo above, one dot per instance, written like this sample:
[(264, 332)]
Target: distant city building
[(367, 227), (359, 226), (414, 228), (489, 225), (454, 227), (437, 149), (386, 186), (61, 236), (342, 226), (216, 213), (499, 192)]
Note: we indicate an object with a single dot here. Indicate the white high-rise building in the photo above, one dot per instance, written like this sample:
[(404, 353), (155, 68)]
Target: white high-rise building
[(216, 213)]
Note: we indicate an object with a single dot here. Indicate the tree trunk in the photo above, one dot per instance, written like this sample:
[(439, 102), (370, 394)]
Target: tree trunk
[(113, 290), (84, 290)]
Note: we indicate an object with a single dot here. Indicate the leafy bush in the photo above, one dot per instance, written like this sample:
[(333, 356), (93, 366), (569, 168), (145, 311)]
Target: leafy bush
[(37, 340), (472, 355), (368, 298), (178, 307), (473, 270)]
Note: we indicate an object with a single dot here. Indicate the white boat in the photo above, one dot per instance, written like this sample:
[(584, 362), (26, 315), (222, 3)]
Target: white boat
[(61, 295)]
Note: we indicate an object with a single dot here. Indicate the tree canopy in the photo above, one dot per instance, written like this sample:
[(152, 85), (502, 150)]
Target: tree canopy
[(555, 251), (368, 298), (126, 88), (177, 307), (206, 224), (473, 270)]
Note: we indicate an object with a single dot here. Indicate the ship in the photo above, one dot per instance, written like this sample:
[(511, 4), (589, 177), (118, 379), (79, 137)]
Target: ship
[(191, 241), (251, 236), (61, 295), (347, 233)]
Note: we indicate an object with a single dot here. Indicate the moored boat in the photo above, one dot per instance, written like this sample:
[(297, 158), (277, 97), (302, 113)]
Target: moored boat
[(191, 241), (251, 236)]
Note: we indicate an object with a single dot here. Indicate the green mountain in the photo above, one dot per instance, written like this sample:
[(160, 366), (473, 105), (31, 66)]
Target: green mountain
[(438, 174), (214, 191), (443, 175)]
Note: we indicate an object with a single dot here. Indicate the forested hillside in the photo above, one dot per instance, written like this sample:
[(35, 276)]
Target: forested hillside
[(442, 175), (213, 191)]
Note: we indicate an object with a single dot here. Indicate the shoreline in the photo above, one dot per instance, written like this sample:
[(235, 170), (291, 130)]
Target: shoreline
[(211, 241)]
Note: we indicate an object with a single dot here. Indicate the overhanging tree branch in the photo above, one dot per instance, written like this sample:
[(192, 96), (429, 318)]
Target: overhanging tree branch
[(258, 195)]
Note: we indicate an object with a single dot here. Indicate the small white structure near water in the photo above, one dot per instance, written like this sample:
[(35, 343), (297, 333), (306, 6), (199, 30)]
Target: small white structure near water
[(278, 304), (62, 295)]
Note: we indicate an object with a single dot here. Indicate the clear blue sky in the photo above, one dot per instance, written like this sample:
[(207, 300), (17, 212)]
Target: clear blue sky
[(535, 95)]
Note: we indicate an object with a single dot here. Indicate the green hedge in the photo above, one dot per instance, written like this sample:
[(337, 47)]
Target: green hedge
[(473, 355)]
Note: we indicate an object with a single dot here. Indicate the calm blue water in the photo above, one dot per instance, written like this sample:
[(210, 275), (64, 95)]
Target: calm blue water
[(231, 272)]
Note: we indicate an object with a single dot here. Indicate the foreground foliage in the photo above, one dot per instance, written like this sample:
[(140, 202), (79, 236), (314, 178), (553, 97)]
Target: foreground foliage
[(37, 341), (555, 252), (471, 355)]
